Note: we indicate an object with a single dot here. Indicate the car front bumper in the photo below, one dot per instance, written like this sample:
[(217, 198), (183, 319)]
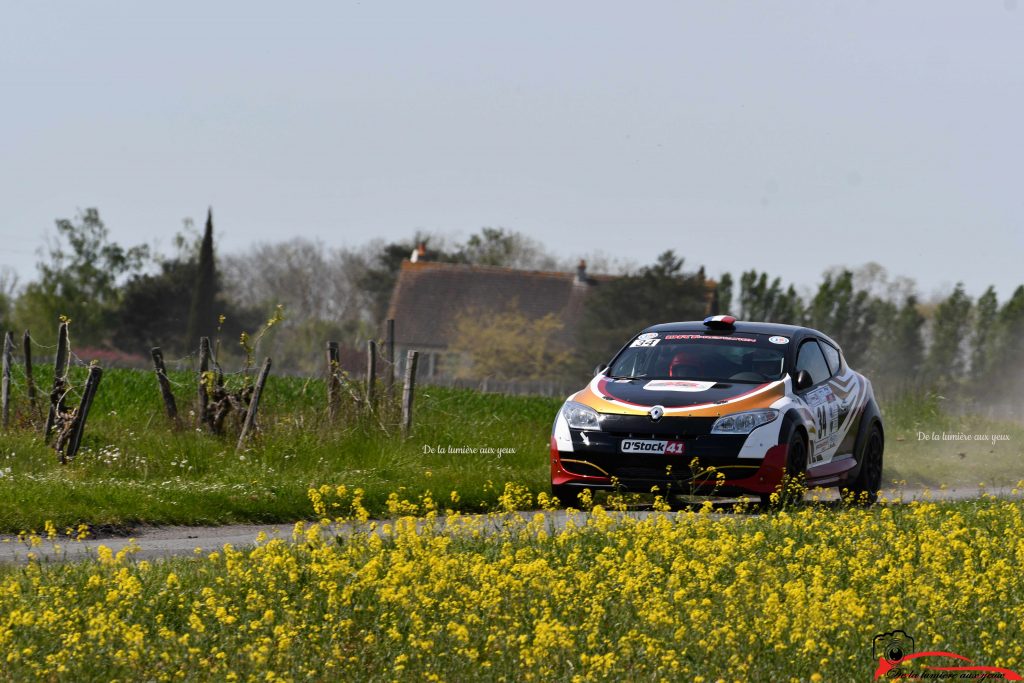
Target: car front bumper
[(709, 464)]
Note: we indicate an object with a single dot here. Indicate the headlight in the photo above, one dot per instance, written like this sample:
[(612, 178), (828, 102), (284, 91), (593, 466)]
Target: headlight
[(743, 423), (580, 416)]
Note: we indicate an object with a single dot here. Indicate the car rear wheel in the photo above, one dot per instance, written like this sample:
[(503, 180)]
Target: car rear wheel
[(864, 489), (796, 470)]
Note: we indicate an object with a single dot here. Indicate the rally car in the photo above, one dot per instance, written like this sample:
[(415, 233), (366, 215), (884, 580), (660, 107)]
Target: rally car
[(721, 408)]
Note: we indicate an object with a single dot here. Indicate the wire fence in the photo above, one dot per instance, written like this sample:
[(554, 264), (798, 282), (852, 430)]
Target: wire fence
[(505, 386), (190, 363)]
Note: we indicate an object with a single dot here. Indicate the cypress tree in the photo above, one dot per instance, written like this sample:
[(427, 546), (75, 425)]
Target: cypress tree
[(909, 340), (202, 319), (845, 313), (1010, 347), (882, 360), (985, 340), (723, 295), (951, 326)]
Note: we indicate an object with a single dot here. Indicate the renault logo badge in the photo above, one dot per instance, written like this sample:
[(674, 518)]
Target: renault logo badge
[(656, 412)]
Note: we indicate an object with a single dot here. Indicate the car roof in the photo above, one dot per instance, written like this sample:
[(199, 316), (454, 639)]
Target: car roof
[(740, 326)]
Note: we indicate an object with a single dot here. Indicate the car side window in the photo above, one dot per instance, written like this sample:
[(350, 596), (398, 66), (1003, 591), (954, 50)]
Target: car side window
[(811, 359), (831, 356)]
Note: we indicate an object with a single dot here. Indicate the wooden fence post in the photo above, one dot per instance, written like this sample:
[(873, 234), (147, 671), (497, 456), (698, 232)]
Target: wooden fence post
[(204, 367), (5, 383), (60, 364), (165, 385), (26, 341), (92, 383), (333, 382), (254, 404), (408, 391), (371, 372), (389, 356)]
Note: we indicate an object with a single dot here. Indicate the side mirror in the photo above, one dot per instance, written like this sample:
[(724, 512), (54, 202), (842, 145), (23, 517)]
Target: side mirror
[(599, 368), (802, 380)]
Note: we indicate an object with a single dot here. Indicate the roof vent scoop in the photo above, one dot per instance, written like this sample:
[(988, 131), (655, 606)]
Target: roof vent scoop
[(720, 322)]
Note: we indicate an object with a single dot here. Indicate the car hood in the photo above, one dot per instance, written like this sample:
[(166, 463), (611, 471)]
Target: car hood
[(677, 396)]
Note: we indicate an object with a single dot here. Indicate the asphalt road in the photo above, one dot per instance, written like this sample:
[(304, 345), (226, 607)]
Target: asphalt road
[(159, 542)]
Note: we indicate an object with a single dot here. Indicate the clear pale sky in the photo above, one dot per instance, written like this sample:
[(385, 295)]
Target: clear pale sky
[(783, 136)]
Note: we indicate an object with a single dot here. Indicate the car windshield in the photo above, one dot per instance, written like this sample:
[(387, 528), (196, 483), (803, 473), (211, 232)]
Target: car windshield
[(700, 356)]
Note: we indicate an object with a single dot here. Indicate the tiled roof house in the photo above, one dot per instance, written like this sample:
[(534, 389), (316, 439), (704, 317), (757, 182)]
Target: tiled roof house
[(429, 296)]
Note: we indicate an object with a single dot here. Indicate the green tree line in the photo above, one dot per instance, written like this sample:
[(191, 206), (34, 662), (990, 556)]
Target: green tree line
[(128, 299), (889, 334)]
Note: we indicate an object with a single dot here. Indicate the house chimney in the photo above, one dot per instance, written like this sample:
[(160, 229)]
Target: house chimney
[(581, 272), (419, 253)]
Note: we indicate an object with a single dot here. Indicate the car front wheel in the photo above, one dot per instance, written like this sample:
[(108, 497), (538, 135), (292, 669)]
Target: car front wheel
[(567, 496), (792, 488)]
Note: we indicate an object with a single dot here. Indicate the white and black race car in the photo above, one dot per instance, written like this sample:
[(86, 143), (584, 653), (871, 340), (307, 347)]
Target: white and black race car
[(721, 408)]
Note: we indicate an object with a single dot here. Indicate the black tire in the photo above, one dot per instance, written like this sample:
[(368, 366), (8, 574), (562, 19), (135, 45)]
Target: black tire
[(567, 496), (864, 489), (796, 471)]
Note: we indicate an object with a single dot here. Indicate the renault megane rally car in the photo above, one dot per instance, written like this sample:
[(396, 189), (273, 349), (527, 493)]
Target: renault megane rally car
[(751, 402)]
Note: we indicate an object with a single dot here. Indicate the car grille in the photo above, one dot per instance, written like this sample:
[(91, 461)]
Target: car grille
[(641, 426)]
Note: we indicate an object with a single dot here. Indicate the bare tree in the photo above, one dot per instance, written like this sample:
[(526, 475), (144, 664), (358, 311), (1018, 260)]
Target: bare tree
[(317, 288), (874, 279)]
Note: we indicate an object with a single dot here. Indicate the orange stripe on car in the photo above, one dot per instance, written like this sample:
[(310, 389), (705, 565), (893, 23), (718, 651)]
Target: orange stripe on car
[(759, 397)]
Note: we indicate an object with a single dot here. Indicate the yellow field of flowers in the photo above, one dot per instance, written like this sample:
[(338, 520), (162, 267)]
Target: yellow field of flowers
[(789, 595)]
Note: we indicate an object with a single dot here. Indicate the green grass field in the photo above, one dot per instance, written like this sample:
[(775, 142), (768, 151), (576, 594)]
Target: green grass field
[(136, 469), (918, 449)]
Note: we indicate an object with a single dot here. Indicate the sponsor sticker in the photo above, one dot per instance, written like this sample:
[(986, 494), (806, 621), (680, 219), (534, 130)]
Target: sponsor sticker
[(645, 342), (650, 447), (677, 385), (819, 395), (778, 340), (648, 335), (709, 336)]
